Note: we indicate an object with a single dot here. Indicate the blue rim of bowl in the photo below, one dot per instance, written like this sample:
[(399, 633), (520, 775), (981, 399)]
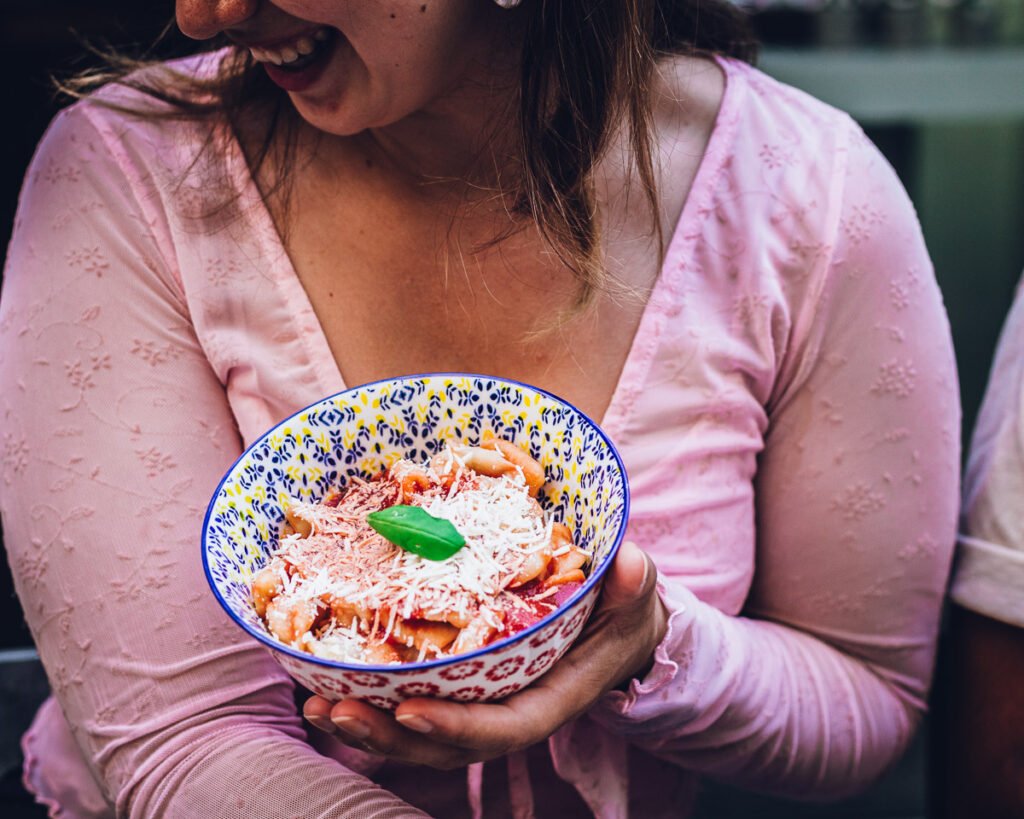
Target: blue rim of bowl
[(405, 668)]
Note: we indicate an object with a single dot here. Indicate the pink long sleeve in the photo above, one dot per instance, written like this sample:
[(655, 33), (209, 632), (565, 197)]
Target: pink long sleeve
[(852, 498), (116, 430)]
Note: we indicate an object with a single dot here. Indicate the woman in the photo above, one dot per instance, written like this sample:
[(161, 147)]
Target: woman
[(720, 269)]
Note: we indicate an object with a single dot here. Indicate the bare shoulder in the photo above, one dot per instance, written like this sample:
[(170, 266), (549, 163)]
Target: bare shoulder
[(687, 94)]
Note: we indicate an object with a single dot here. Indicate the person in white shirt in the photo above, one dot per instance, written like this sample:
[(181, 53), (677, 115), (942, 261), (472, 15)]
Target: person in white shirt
[(984, 740)]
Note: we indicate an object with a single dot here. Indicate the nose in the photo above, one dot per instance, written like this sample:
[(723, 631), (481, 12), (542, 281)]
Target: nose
[(202, 19)]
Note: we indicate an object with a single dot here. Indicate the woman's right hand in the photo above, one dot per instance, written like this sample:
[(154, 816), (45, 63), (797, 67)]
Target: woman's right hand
[(616, 645)]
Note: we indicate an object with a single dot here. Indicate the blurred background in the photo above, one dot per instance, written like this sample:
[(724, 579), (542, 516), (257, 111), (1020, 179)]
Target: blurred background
[(937, 84)]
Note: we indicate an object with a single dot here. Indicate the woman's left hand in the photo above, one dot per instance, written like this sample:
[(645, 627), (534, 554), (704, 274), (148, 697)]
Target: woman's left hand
[(617, 644)]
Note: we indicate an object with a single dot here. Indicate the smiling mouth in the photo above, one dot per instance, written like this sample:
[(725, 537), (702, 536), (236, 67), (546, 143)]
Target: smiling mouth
[(298, 54)]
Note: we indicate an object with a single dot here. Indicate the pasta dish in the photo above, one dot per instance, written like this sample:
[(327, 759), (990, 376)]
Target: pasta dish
[(424, 561)]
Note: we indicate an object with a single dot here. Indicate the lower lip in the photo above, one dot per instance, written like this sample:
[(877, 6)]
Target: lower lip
[(301, 80)]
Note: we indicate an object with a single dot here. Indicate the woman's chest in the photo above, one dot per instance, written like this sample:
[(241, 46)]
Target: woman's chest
[(397, 291), (681, 399), (679, 375)]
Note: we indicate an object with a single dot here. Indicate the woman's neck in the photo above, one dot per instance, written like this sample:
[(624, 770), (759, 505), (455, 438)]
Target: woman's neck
[(465, 139)]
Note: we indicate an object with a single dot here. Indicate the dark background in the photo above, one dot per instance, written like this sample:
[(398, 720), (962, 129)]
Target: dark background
[(966, 178)]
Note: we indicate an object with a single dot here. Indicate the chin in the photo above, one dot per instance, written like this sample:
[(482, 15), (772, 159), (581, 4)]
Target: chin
[(338, 119), (344, 115)]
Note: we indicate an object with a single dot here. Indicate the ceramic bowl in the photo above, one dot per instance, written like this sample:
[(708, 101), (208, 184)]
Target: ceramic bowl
[(358, 432)]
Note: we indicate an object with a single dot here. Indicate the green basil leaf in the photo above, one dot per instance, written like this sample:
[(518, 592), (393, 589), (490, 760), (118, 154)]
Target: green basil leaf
[(417, 531)]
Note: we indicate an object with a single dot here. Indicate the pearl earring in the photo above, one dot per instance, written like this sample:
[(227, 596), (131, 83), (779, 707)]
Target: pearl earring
[(508, 4)]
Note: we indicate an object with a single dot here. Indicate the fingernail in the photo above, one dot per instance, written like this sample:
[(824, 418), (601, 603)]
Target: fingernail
[(647, 564), (352, 726), (416, 723), (323, 723)]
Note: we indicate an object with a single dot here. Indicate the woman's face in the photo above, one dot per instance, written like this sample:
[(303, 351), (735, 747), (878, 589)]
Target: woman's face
[(349, 65)]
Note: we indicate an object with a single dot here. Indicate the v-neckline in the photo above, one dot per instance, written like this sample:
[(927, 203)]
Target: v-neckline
[(661, 302)]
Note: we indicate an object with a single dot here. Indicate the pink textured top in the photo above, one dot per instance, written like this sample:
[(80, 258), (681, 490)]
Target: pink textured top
[(788, 414)]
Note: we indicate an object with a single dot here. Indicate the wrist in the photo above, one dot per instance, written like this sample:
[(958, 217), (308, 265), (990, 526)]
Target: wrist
[(656, 627), (659, 628)]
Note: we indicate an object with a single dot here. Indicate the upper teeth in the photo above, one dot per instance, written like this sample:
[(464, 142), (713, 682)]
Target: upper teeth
[(290, 52)]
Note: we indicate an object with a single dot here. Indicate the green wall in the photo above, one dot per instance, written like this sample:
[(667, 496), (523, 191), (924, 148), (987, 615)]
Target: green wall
[(968, 185)]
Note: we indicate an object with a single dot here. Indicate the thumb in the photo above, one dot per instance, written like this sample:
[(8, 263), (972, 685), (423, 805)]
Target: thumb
[(631, 577)]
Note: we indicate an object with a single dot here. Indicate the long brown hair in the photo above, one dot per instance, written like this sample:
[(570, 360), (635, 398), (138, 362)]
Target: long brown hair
[(585, 67)]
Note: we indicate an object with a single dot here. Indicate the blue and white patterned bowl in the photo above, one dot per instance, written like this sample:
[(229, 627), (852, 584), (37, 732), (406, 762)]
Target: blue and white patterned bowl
[(359, 431)]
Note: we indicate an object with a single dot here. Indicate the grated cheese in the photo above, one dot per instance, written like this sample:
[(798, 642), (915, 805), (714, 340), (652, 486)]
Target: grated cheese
[(347, 565)]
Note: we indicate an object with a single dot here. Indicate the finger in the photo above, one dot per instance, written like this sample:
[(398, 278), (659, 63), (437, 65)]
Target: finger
[(317, 711), (631, 577), (594, 665), (494, 729), (371, 729)]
